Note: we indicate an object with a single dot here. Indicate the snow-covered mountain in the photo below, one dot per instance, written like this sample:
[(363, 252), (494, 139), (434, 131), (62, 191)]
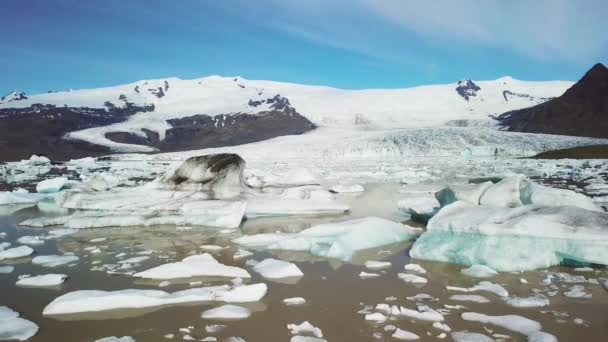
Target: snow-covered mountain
[(222, 100)]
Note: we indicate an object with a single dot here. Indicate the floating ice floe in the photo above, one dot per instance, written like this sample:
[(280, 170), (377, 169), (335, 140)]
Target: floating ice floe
[(82, 301), (412, 278), (202, 265), (367, 275), (277, 269), (344, 188), (12, 327), (45, 280), (513, 239), (16, 252), (227, 312), (442, 326), (404, 335), (335, 240), (377, 265), (483, 286), (414, 268), (30, 240), (295, 301), (21, 196), (479, 271), (51, 185), (533, 301), (6, 269), (54, 260), (519, 324), (116, 339), (423, 313), (305, 328)]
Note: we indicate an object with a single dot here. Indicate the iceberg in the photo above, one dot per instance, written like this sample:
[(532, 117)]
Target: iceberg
[(51, 185), (277, 269), (45, 280), (82, 301), (334, 240), (193, 266), (12, 327), (514, 239)]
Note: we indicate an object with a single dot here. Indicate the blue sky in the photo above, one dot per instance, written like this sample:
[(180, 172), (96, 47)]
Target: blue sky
[(60, 44)]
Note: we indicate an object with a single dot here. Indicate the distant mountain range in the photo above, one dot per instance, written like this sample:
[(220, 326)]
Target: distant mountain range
[(582, 110), (173, 114)]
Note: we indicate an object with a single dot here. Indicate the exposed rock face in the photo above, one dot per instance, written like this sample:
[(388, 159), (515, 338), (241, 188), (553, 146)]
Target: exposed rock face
[(467, 89), (13, 96), (204, 131), (218, 175), (39, 129), (582, 110)]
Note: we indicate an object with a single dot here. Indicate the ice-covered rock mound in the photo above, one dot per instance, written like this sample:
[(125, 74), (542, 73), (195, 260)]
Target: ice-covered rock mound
[(512, 239), (334, 240)]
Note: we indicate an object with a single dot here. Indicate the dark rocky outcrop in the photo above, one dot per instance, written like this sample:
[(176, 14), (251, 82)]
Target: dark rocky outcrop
[(467, 89), (581, 111), (39, 129)]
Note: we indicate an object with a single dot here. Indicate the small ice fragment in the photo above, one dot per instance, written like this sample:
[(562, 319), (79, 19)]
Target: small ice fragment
[(377, 265), (277, 269), (54, 260), (366, 275), (442, 326), (465, 336), (227, 312), (415, 268), (305, 328), (116, 339), (470, 298), (375, 317), (211, 248), (42, 280), (534, 301), (412, 278), (30, 240), (424, 313), (16, 252), (405, 335), (6, 269), (294, 301)]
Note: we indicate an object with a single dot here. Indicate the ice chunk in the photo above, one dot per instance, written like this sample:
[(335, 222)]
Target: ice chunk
[(16, 252), (414, 268), (343, 188), (534, 301), (483, 286), (264, 207), (227, 312), (442, 326), (506, 193), (42, 280), (479, 271), (366, 275), (94, 300), (465, 336), (299, 338), (14, 328), (21, 197), (51, 185), (405, 335), (335, 240), (412, 278), (376, 317), (543, 195), (470, 298), (245, 293), (277, 269), (30, 240), (45, 221), (470, 193), (377, 265), (116, 339), (305, 328), (424, 313), (419, 208), (522, 238), (54, 260), (577, 291), (193, 266), (519, 324), (295, 301)]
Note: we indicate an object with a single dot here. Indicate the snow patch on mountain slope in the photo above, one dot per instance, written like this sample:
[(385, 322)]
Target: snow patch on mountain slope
[(417, 107)]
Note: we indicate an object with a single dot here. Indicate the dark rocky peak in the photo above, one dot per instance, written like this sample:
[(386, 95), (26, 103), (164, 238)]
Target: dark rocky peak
[(592, 86), (467, 89), (13, 96), (277, 102), (136, 89), (166, 85), (158, 92)]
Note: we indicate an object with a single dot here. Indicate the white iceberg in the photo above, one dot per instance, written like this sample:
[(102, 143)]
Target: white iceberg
[(514, 239), (54, 260), (277, 269), (45, 280), (12, 327), (95, 300), (51, 185), (16, 252), (227, 312), (335, 240), (193, 266), (295, 301)]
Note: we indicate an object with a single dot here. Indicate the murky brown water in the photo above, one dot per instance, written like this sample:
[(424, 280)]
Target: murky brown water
[(333, 290)]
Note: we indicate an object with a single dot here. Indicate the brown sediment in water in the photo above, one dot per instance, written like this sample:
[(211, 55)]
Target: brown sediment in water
[(333, 290)]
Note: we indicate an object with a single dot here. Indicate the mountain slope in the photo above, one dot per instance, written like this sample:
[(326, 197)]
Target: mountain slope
[(582, 110), (214, 110)]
